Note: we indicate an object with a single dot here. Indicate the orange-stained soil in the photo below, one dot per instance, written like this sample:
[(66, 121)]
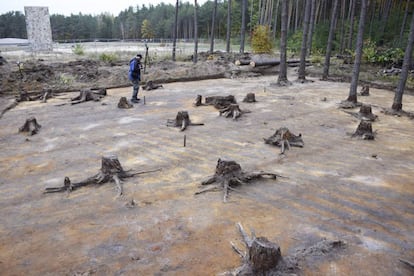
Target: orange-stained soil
[(336, 187)]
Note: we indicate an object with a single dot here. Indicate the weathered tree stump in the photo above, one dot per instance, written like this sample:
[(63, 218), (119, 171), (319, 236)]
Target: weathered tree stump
[(229, 174), (123, 103), (250, 98), (261, 256), (30, 126), (89, 95), (364, 131), (284, 138), (364, 114), (150, 85), (220, 102), (365, 90), (182, 120), (111, 170), (233, 111), (198, 101)]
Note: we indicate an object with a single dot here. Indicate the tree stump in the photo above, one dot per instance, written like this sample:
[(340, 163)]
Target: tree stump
[(250, 98), (364, 131), (220, 102), (182, 120), (283, 138), (198, 101), (30, 126), (111, 170), (150, 85), (229, 174), (233, 111), (261, 257), (89, 95), (123, 103), (365, 90)]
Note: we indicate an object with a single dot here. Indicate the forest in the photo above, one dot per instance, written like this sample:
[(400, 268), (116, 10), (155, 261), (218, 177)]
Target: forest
[(387, 24)]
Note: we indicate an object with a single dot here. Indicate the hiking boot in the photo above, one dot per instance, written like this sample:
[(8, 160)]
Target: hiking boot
[(135, 100)]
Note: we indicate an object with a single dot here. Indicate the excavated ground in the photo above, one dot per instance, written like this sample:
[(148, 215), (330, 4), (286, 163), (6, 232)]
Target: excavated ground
[(336, 187)]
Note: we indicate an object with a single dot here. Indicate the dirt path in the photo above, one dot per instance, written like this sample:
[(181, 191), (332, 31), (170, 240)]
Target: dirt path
[(336, 187)]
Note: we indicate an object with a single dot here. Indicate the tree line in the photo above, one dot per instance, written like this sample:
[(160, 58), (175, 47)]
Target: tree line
[(386, 22)]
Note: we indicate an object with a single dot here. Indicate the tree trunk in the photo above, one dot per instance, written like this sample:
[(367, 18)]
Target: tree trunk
[(311, 28), (243, 25), (352, 21), (330, 40), (303, 51), (404, 21), (175, 30), (195, 55), (213, 22), (358, 56), (397, 104), (282, 79), (228, 34)]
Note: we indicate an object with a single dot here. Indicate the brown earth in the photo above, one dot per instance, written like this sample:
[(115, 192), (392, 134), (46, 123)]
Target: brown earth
[(336, 187)]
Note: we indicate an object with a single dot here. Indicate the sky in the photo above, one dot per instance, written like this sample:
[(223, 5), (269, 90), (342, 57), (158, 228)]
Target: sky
[(93, 7)]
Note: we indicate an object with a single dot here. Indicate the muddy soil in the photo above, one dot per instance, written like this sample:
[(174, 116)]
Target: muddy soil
[(335, 187)]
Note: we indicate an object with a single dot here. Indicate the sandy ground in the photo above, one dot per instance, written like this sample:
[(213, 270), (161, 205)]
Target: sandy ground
[(336, 187)]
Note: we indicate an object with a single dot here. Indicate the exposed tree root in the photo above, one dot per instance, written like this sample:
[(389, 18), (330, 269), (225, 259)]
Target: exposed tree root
[(364, 114), (283, 138), (233, 111), (31, 127), (111, 170), (229, 174), (182, 120)]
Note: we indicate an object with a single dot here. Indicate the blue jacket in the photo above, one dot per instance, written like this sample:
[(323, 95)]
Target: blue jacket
[(137, 75)]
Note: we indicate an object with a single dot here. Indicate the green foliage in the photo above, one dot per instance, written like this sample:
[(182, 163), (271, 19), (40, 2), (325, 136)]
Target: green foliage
[(294, 42), (108, 57), (78, 50), (146, 29), (381, 56), (262, 41)]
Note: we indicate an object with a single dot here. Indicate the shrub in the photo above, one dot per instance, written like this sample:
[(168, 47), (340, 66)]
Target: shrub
[(262, 43), (108, 57), (78, 50)]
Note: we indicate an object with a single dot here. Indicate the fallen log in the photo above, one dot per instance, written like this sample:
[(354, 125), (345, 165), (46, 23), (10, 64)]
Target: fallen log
[(89, 95), (220, 102), (150, 85), (111, 170), (229, 174), (284, 138)]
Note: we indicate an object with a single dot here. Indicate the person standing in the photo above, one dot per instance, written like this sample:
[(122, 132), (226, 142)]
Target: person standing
[(134, 76)]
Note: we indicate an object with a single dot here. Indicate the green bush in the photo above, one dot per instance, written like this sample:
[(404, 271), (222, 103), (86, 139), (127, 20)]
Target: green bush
[(108, 58), (78, 50), (262, 42)]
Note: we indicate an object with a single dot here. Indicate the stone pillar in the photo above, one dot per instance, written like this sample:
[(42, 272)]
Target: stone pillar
[(39, 32)]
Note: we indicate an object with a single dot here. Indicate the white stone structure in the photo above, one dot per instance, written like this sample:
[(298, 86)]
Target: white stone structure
[(39, 32)]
